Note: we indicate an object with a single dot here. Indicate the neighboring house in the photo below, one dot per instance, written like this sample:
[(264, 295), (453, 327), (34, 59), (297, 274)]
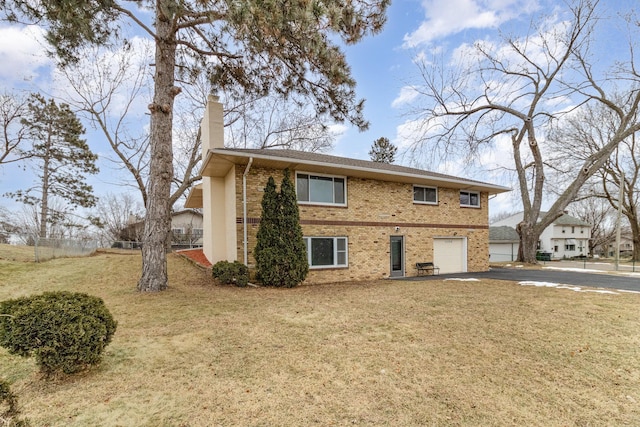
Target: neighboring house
[(504, 242), (566, 237), (360, 219), (609, 249), (186, 227), (186, 230)]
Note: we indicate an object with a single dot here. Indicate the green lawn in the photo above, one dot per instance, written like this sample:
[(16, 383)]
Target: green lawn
[(368, 353)]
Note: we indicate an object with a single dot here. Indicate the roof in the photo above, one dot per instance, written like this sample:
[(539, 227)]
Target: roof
[(219, 160), (566, 219), (187, 211), (504, 234)]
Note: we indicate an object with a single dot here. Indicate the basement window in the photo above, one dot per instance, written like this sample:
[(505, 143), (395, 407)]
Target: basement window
[(326, 252)]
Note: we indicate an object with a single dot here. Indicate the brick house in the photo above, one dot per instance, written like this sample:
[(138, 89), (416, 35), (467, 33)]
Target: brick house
[(361, 220)]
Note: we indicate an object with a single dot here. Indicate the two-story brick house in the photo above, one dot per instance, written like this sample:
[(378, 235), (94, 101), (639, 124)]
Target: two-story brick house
[(360, 219)]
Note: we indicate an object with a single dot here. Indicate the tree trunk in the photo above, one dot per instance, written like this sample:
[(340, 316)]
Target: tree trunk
[(44, 201), (635, 235), (529, 237), (157, 224)]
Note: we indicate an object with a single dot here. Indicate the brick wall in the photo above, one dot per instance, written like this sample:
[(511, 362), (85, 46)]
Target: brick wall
[(374, 209)]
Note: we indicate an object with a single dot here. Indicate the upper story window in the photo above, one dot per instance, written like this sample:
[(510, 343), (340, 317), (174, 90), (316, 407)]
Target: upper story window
[(177, 230), (470, 199), (427, 195), (321, 189)]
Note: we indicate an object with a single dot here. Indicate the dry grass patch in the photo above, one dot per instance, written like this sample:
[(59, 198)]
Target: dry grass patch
[(371, 353)]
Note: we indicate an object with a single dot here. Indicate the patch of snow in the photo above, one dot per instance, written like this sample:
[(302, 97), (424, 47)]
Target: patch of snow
[(519, 266), (571, 288), (577, 270), (631, 274), (463, 280), (628, 292)]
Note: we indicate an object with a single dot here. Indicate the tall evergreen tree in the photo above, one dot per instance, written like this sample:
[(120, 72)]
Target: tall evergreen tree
[(296, 264), (282, 47), (265, 251), (280, 253), (383, 151), (61, 158)]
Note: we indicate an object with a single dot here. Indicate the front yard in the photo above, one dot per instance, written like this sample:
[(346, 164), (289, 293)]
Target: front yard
[(370, 353)]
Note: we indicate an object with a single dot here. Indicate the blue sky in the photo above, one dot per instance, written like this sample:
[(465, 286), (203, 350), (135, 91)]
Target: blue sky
[(382, 66)]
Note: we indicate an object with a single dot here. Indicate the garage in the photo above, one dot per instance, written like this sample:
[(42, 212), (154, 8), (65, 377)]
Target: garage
[(450, 254)]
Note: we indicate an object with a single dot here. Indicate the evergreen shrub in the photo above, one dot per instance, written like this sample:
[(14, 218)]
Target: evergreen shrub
[(231, 273), (280, 252), (66, 332)]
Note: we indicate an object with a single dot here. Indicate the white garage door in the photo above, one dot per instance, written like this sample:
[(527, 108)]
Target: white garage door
[(450, 254)]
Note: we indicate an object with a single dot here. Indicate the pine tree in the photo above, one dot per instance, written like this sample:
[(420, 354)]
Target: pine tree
[(253, 46), (280, 253), (62, 159), (383, 151)]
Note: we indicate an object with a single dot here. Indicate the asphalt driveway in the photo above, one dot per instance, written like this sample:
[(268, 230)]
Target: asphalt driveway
[(587, 279)]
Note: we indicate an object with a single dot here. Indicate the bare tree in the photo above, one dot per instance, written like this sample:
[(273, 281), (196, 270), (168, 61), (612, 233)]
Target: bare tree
[(115, 212), (599, 214), (273, 122), (13, 108), (585, 133), (110, 90), (516, 90)]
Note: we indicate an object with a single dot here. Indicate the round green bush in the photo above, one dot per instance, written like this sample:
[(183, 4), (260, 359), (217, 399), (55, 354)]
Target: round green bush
[(66, 332), (231, 273)]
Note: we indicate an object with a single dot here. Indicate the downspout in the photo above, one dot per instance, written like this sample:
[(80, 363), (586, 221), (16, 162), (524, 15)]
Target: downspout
[(244, 211)]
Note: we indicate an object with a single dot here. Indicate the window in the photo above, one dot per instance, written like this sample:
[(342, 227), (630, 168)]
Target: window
[(470, 199), (425, 194), (330, 190), (177, 231), (325, 252), (569, 247), (197, 232)]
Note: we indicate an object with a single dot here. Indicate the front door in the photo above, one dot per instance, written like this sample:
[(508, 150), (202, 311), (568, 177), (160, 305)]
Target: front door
[(397, 256)]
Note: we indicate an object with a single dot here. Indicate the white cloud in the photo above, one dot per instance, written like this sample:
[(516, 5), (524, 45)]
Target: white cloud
[(445, 18), (22, 53), (406, 95)]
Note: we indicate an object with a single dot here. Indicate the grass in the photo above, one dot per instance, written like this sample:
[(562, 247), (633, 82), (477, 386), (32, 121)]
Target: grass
[(377, 353)]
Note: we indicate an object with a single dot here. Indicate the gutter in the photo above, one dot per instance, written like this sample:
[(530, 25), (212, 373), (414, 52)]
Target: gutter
[(244, 211)]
